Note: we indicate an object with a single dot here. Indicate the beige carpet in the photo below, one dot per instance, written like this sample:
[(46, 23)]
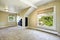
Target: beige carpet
[(17, 33)]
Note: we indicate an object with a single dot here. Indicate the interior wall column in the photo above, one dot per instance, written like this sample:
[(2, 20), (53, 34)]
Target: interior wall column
[(27, 14)]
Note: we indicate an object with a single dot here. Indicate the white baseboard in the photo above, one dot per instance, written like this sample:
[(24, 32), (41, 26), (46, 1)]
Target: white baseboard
[(48, 31), (2, 26)]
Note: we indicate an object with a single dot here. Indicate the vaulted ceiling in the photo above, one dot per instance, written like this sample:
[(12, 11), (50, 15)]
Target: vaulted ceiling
[(14, 6)]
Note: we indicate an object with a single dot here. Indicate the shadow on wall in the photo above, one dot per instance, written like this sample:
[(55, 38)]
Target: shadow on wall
[(26, 22), (20, 22)]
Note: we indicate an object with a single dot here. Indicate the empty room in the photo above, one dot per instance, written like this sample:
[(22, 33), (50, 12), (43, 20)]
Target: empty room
[(29, 19)]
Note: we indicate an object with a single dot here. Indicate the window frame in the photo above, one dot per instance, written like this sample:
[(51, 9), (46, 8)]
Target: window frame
[(54, 19)]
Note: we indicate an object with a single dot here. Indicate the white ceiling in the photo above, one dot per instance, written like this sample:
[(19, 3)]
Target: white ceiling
[(17, 5)]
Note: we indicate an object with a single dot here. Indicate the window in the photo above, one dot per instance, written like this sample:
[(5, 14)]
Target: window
[(46, 19), (11, 18)]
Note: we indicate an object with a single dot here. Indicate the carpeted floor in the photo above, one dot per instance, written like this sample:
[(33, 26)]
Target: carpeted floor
[(17, 33)]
